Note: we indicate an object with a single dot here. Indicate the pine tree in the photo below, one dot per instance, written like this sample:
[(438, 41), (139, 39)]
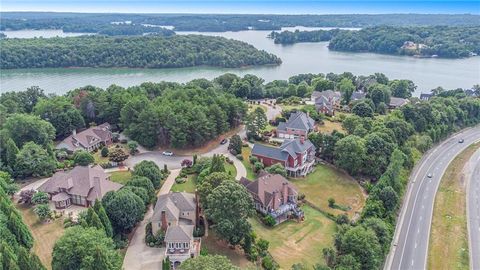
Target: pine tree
[(107, 225), (20, 230), (93, 220), (217, 164), (11, 151)]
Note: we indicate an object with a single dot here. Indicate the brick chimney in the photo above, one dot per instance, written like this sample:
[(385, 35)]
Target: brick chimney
[(197, 209), (285, 192), (275, 200), (302, 139), (164, 221)]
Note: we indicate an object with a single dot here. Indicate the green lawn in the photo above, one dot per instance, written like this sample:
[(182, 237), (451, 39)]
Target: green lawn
[(214, 245), (325, 182), (189, 186), (246, 151), (230, 169), (292, 242), (121, 177)]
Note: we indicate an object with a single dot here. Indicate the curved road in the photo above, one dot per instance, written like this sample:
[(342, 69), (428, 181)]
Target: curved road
[(410, 244), (473, 209)]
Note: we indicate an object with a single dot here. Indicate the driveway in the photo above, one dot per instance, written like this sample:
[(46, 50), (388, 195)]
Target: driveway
[(139, 255)]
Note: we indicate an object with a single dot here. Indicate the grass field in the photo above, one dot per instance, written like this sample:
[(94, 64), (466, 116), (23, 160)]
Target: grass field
[(230, 169), (448, 248), (292, 242), (329, 127), (189, 186), (325, 182), (44, 234), (121, 177), (246, 151)]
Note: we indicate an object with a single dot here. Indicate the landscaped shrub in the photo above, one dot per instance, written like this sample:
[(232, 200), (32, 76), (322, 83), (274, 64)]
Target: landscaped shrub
[(269, 221), (257, 166), (104, 152), (253, 159), (239, 157), (153, 240), (331, 202), (269, 264), (342, 219)]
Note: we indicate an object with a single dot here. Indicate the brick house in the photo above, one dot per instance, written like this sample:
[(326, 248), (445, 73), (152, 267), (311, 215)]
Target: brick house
[(88, 139), (298, 124), (327, 102), (274, 195), (176, 214), (80, 186), (297, 155)]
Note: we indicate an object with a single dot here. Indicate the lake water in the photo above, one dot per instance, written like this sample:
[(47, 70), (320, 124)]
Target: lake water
[(298, 58)]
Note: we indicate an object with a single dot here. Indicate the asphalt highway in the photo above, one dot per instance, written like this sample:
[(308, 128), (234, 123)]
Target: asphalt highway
[(473, 209), (410, 244)]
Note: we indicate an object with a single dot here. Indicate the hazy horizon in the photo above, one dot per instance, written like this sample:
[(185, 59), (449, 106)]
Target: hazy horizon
[(244, 7)]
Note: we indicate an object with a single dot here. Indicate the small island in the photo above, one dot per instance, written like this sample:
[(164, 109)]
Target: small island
[(131, 52), (428, 41)]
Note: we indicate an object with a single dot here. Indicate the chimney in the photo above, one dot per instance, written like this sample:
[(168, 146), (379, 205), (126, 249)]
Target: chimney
[(164, 221), (96, 184), (275, 200), (285, 192), (74, 132), (197, 209), (302, 139)]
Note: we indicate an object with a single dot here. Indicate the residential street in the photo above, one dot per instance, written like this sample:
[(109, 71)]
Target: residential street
[(410, 243), (472, 174)]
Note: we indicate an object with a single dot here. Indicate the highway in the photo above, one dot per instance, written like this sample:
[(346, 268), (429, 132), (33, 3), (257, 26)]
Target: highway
[(473, 209), (410, 244)]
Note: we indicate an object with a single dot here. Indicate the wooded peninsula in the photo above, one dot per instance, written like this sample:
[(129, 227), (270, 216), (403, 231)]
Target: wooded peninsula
[(132, 52)]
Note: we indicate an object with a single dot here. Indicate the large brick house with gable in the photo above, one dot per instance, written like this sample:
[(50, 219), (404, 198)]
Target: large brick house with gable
[(298, 124), (297, 155), (274, 195), (88, 139)]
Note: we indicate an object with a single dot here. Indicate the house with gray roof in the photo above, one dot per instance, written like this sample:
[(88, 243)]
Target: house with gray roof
[(176, 214), (274, 195), (298, 124), (327, 102), (88, 139), (297, 155), (396, 102), (80, 186)]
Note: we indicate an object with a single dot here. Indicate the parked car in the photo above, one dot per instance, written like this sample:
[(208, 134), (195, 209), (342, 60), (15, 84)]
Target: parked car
[(460, 141), (224, 141), (167, 153), (429, 175)]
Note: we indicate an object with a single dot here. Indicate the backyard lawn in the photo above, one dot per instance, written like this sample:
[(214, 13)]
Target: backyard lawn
[(189, 186), (325, 182), (121, 177), (213, 245), (292, 242), (44, 234), (246, 151), (330, 126), (230, 169)]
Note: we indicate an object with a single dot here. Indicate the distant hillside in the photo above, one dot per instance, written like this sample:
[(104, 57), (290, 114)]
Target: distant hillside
[(134, 52)]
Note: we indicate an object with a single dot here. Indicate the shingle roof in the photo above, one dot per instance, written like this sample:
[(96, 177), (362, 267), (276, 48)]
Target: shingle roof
[(299, 120), (179, 233), (296, 146), (87, 137), (329, 94), (173, 203), (264, 187), (269, 151), (397, 102), (358, 95), (85, 181)]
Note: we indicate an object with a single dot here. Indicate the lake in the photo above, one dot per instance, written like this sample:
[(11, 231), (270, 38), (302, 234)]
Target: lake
[(298, 58)]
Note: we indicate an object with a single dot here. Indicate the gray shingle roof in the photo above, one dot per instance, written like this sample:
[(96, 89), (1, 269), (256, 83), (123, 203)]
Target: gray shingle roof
[(86, 138), (288, 148), (269, 151), (300, 121), (173, 203), (358, 95), (179, 233), (264, 187), (295, 146), (397, 102), (329, 94)]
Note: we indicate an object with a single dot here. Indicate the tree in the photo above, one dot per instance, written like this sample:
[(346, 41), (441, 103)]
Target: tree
[(132, 146), (350, 153), (235, 145), (124, 209), (348, 262), (149, 170), (145, 183), (85, 248), (42, 211), (211, 262), (34, 160), (217, 164), (389, 197), (320, 84), (11, 151), (329, 256), (256, 122), (20, 230), (40, 198), (230, 205), (277, 169), (83, 158), (117, 155), (23, 128), (209, 183), (104, 151), (378, 152), (362, 109), (102, 215), (362, 244), (331, 202), (402, 88), (347, 88), (93, 220)]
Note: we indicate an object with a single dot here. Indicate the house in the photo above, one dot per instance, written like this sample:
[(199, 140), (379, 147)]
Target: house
[(80, 186), (88, 139), (396, 102), (298, 124), (425, 96), (327, 102), (297, 155), (357, 95), (176, 214), (274, 195)]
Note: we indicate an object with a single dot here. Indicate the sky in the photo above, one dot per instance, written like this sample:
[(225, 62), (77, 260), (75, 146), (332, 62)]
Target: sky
[(246, 6)]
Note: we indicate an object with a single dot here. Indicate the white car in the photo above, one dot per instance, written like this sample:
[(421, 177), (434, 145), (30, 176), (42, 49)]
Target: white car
[(430, 175), (167, 153)]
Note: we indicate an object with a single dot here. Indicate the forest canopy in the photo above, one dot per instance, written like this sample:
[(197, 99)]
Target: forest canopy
[(133, 52)]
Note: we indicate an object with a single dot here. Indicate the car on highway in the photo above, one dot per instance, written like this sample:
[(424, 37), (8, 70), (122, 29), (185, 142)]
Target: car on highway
[(224, 141), (460, 141), (167, 153), (429, 175)]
